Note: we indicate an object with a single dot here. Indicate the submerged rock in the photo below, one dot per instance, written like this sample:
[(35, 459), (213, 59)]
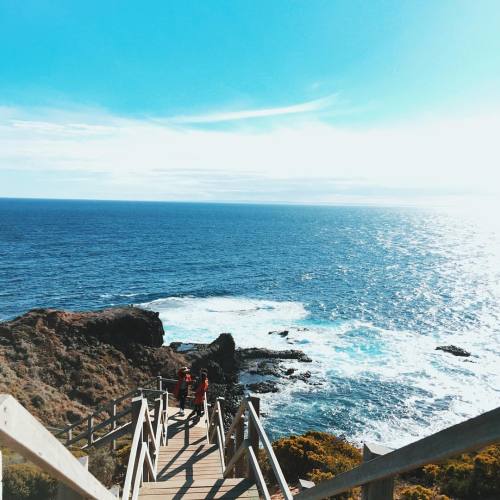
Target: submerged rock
[(281, 333), (453, 349)]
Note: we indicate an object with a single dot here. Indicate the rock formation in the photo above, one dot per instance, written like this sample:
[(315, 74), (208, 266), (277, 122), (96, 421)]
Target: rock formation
[(60, 364)]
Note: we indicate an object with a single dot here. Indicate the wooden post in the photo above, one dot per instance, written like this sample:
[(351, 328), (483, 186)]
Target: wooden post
[(165, 410), (114, 424), (253, 435), (136, 415), (159, 382), (1, 481), (239, 469), (65, 493), (70, 435), (230, 453), (377, 490), (90, 424)]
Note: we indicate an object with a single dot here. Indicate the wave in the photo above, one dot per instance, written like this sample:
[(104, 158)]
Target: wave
[(388, 386)]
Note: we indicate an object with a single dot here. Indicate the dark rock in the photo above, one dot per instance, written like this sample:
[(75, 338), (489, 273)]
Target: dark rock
[(218, 358), (265, 368), (452, 349), (263, 353), (281, 333), (290, 371), (304, 377), (263, 387)]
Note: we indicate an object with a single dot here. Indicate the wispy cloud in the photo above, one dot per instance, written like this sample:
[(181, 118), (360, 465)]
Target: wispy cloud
[(98, 155), (228, 116)]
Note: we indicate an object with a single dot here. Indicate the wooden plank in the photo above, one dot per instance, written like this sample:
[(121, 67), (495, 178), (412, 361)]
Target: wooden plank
[(164, 487), (472, 434), (194, 496), (226, 495), (190, 463), (193, 464), (198, 483), (185, 473), (21, 432)]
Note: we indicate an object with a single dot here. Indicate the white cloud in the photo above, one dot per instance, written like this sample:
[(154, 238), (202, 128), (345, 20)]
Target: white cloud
[(305, 107), (305, 161)]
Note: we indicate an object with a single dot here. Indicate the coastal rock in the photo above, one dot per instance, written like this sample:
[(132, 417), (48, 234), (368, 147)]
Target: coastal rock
[(263, 387), (281, 333), (265, 368), (304, 377), (263, 353), (453, 349), (218, 358), (60, 364)]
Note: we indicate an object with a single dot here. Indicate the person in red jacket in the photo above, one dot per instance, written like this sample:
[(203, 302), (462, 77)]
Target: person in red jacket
[(199, 394), (181, 389)]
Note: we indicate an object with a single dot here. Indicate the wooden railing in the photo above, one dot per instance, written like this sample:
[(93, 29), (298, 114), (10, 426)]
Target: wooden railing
[(149, 433), (24, 434), (376, 474), (239, 453), (94, 430)]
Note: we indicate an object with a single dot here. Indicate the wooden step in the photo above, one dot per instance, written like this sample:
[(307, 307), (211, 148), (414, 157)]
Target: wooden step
[(200, 489)]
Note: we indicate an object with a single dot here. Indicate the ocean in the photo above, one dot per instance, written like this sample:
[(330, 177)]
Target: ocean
[(368, 293)]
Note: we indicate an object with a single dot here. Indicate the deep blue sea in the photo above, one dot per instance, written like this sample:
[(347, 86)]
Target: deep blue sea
[(367, 292)]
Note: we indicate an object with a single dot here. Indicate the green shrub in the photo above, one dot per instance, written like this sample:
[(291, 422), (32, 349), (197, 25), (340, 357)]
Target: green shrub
[(416, 493), (316, 456), (467, 477), (27, 482), (102, 465)]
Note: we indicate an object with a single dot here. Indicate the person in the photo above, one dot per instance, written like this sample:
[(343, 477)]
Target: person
[(199, 394), (182, 387)]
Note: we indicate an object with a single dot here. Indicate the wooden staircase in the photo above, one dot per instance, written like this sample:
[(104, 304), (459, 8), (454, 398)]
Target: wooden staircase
[(190, 468), (174, 457)]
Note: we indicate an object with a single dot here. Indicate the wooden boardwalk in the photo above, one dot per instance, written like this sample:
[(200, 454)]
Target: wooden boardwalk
[(190, 469)]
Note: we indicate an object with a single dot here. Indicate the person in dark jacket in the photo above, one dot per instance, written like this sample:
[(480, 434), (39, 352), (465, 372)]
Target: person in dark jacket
[(181, 389)]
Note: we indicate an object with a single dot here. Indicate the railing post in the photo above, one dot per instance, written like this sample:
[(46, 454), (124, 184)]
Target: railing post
[(239, 469), (64, 492), (90, 425), (165, 411), (230, 453), (377, 490), (113, 425), (253, 435), (159, 382), (70, 436), (136, 415)]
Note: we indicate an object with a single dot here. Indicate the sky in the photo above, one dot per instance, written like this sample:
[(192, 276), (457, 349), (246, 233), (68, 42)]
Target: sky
[(376, 102)]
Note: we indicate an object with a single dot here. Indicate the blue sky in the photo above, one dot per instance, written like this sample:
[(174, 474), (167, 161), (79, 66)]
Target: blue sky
[(295, 101)]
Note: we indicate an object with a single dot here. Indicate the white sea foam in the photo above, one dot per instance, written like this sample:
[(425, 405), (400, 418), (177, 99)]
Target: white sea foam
[(360, 367)]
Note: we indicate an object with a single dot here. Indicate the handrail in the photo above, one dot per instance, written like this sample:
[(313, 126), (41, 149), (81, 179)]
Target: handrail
[(147, 438), (107, 407), (246, 446), (470, 435), (269, 450), (205, 416), (24, 434)]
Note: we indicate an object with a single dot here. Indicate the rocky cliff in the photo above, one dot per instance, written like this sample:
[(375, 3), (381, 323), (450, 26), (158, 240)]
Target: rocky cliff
[(59, 364)]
